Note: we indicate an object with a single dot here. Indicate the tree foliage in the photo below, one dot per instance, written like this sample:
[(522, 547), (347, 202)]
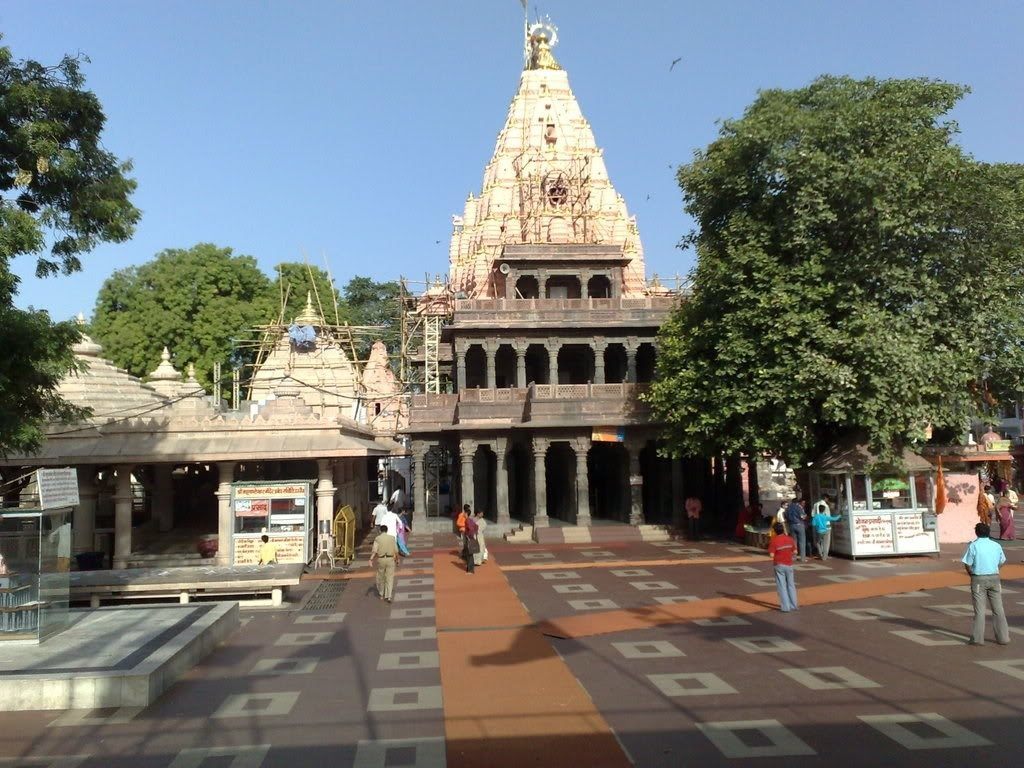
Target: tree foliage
[(201, 302), (296, 280), (858, 275), (61, 193), (372, 303)]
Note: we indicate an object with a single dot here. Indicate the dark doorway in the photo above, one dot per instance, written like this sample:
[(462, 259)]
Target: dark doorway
[(599, 287), (485, 482), (657, 493), (563, 287), (608, 466), (615, 364), (646, 359), (527, 287), (560, 466), (575, 364), (476, 367), (505, 367), (520, 490), (538, 370)]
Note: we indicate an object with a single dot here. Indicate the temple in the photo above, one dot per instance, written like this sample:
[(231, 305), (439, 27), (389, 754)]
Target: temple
[(548, 340)]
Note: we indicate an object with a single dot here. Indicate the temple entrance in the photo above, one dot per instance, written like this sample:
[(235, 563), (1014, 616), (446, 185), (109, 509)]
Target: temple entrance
[(657, 493), (520, 496), (608, 466), (485, 482), (560, 465)]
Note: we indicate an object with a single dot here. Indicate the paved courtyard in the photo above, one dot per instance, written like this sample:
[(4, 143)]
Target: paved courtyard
[(466, 671)]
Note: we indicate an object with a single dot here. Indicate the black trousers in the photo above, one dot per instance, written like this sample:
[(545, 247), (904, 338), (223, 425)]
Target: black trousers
[(470, 565)]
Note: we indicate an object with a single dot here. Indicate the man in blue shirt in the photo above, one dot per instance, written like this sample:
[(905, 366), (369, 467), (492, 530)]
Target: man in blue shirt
[(982, 560), (795, 518)]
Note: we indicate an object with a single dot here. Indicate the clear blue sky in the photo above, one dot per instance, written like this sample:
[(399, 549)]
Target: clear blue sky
[(353, 129)]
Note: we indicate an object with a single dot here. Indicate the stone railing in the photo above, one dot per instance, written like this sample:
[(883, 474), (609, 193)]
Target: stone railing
[(434, 400), (586, 391), (548, 305), (492, 395)]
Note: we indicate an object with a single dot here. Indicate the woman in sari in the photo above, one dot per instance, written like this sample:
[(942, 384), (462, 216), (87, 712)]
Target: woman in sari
[(1005, 509), (480, 557)]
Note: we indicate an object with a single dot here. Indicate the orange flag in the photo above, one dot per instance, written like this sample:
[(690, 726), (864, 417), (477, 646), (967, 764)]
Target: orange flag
[(940, 490)]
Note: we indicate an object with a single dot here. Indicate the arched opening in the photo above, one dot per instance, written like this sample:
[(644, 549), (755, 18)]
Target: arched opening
[(608, 466), (476, 367), (657, 488), (505, 367), (520, 491), (646, 360), (615, 364), (563, 287), (575, 364), (527, 287), (485, 482), (599, 287), (560, 466), (538, 370)]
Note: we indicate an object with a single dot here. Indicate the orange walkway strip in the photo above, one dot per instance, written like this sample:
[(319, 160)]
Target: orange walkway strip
[(563, 566), (509, 699), (609, 622)]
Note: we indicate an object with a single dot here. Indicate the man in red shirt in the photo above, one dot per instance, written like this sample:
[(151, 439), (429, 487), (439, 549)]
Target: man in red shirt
[(781, 549)]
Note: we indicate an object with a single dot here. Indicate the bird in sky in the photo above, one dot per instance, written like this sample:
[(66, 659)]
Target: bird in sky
[(674, 62)]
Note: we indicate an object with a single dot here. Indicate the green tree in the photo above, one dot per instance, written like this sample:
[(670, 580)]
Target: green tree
[(370, 303), (61, 194), (858, 275), (295, 281), (202, 303)]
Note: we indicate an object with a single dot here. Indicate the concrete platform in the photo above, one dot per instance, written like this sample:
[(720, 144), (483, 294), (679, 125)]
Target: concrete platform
[(112, 657)]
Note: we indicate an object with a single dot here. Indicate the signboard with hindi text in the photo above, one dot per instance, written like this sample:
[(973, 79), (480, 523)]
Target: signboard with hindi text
[(57, 487), (290, 548)]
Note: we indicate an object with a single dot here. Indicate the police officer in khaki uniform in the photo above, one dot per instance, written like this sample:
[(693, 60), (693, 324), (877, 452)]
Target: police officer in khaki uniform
[(385, 551)]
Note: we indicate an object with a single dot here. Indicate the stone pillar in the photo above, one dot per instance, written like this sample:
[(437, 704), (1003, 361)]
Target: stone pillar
[(504, 516), (123, 515), (163, 496), (460, 367), (584, 287), (419, 485), (520, 347), (540, 482), (324, 494), (83, 519), (636, 483), (553, 346), (491, 350), (467, 450), (631, 347), (582, 446), (599, 346), (225, 520)]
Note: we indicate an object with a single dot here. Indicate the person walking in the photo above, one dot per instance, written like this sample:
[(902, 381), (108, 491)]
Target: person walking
[(470, 546), (1004, 506), (385, 552), (795, 519), (460, 525), (982, 561), (481, 525), (821, 522), (781, 548), (693, 507)]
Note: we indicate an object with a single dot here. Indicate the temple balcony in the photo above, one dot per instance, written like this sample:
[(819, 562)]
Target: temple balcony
[(563, 313)]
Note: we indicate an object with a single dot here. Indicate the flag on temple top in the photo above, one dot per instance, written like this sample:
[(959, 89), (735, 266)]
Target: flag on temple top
[(940, 490)]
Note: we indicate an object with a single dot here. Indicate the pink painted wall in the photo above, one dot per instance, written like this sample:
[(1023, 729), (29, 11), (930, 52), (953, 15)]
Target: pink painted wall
[(957, 521)]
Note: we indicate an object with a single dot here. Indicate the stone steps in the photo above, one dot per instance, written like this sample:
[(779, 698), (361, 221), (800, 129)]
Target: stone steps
[(597, 534)]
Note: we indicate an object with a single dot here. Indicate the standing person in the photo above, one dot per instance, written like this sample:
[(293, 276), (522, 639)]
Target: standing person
[(981, 561), (391, 521), (460, 525), (385, 552), (403, 546), (781, 548), (795, 518), (821, 522), (481, 525), (378, 512), (470, 546), (268, 551), (693, 509), (1004, 505)]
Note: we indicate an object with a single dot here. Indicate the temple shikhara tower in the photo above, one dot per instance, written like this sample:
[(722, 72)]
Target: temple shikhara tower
[(550, 334)]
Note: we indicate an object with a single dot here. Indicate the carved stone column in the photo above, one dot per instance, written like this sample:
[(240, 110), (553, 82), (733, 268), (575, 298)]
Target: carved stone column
[(599, 346), (553, 346), (324, 495), (540, 484), (460, 367), (504, 516), (83, 522), (163, 496), (636, 483), (225, 520), (467, 450), (584, 284), (631, 347), (520, 347), (491, 350), (419, 485), (123, 515), (582, 446)]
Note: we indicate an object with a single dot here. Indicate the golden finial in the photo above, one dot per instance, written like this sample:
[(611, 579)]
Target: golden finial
[(542, 37)]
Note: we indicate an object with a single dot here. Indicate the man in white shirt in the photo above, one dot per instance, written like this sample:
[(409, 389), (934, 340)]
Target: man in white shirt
[(378, 513), (390, 519)]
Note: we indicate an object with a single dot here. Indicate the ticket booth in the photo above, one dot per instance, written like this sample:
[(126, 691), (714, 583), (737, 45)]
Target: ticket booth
[(284, 511), (886, 510)]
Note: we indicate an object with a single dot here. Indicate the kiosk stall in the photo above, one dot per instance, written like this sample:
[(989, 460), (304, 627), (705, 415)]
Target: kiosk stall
[(885, 510), (281, 510)]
